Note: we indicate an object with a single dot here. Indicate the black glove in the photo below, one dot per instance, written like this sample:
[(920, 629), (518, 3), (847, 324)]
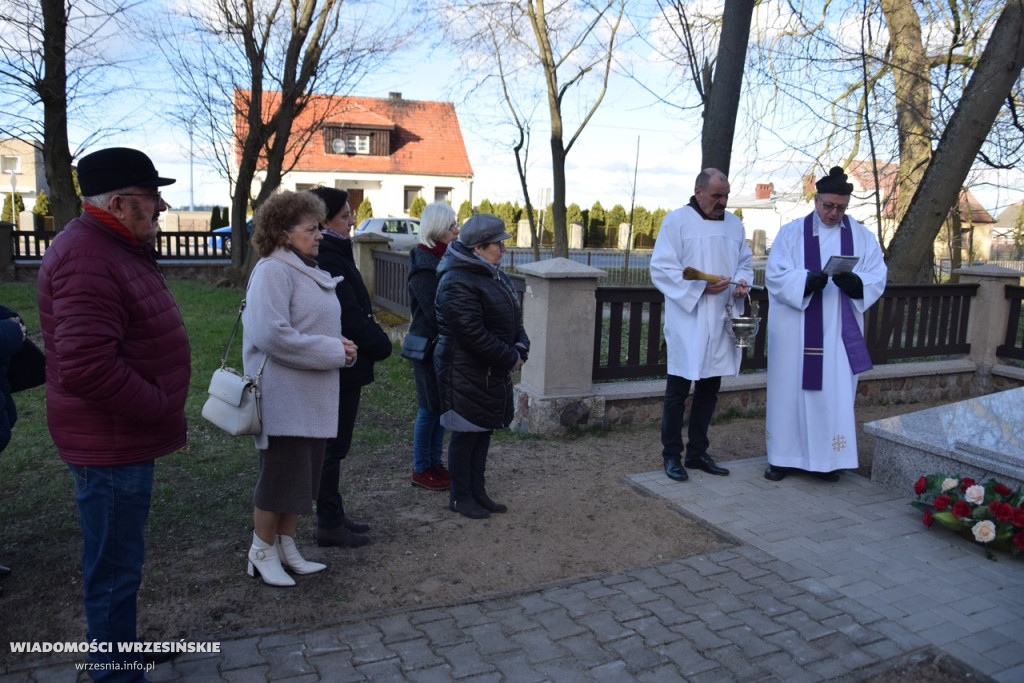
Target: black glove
[(816, 282), (849, 283)]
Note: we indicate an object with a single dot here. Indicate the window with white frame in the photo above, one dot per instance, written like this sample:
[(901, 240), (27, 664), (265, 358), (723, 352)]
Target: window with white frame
[(10, 162), (357, 144), (443, 194)]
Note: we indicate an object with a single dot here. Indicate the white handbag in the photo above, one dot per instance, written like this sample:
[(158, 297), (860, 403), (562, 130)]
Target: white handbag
[(234, 402)]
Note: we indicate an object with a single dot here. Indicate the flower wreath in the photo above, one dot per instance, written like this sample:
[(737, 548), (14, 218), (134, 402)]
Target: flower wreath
[(991, 514)]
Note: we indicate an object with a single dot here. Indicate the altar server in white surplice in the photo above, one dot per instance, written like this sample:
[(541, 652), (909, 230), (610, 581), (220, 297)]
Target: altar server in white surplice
[(701, 235), (815, 335)]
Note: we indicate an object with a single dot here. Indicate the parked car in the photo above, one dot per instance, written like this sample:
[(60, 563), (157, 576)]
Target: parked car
[(403, 232), (220, 238)]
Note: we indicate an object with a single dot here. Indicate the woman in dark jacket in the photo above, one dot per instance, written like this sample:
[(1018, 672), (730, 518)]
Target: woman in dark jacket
[(482, 341), (333, 527), (12, 337), (438, 227)]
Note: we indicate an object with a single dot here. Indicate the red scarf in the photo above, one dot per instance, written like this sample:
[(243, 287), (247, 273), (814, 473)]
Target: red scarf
[(111, 222), (437, 250)]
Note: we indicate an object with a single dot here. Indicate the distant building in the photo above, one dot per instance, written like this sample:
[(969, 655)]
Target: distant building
[(769, 210), (21, 162), (388, 151), (1005, 233)]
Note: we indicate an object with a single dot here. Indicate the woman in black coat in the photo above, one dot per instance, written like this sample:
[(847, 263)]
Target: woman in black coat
[(333, 527), (438, 228), (12, 337), (482, 341)]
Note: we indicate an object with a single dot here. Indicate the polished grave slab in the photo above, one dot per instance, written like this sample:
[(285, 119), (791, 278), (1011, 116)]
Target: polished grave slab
[(980, 437)]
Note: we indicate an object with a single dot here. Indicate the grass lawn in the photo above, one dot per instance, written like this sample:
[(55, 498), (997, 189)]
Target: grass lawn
[(202, 488)]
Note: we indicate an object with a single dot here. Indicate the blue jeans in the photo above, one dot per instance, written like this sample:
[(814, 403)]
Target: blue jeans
[(427, 441), (113, 503)]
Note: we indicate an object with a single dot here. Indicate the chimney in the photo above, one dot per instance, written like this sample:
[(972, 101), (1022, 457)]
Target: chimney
[(395, 96), (763, 191)]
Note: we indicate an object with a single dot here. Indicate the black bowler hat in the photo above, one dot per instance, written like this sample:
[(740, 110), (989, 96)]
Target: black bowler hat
[(483, 228), (116, 168)]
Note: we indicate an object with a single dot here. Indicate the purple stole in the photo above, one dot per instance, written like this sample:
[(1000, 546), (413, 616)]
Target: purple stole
[(814, 326)]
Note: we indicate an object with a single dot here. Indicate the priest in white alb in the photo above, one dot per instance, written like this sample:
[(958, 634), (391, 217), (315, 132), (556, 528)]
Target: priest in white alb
[(823, 273)]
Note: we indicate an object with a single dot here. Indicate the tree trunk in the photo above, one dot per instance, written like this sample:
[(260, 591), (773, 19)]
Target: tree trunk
[(64, 202), (910, 253), (723, 98), (912, 80), (558, 202)]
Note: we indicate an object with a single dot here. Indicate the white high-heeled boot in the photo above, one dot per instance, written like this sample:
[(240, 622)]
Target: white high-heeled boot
[(263, 558), (291, 558)]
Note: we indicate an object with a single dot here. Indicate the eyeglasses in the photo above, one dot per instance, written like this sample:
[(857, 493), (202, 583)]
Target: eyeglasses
[(158, 197), (829, 206), (454, 227)]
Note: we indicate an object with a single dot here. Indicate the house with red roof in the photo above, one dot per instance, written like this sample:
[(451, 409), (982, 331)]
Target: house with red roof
[(388, 151)]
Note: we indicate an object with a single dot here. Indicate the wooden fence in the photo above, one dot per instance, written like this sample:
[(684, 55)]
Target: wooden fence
[(909, 321)]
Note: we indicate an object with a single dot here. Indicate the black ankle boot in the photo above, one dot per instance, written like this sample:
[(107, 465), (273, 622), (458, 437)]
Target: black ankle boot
[(468, 508), (340, 537), (488, 504), (353, 525)]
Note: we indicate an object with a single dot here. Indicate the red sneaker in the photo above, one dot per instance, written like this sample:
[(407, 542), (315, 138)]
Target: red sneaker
[(440, 473), (428, 481)]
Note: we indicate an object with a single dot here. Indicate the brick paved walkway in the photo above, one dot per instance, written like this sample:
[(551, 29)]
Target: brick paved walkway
[(826, 581)]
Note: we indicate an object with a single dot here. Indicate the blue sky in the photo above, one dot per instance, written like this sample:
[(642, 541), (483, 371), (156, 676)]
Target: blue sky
[(600, 166)]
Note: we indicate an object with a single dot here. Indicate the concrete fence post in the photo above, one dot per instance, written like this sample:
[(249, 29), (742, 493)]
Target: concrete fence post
[(986, 328), (555, 392), (362, 252)]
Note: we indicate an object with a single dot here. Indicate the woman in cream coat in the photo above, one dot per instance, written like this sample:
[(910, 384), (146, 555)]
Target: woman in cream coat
[(292, 327)]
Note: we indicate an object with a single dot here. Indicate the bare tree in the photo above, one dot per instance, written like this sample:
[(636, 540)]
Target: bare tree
[(53, 66), (990, 86), (250, 68), (561, 45)]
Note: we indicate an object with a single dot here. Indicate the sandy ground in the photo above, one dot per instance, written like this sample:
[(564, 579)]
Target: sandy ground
[(571, 515)]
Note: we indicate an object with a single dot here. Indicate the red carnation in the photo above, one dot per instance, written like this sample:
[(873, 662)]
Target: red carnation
[(1002, 489), (1018, 517), (961, 509), (942, 502), (920, 485), (966, 483), (927, 519), (1003, 512), (1018, 540)]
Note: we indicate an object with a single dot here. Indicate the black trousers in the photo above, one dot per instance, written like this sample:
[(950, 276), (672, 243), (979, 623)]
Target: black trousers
[(467, 461), (702, 408), (330, 510)]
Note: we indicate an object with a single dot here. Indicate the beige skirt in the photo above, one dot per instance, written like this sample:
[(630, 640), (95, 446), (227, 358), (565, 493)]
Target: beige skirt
[(289, 474)]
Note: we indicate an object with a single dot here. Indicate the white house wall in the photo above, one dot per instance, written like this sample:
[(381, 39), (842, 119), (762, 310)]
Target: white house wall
[(386, 192)]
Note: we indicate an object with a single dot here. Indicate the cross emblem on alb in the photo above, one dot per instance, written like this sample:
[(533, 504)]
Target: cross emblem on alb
[(839, 442)]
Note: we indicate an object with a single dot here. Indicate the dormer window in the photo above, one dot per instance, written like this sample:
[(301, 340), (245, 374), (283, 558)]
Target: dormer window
[(350, 143), (357, 139)]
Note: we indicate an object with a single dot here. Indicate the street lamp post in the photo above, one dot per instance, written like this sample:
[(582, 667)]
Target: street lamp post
[(14, 207)]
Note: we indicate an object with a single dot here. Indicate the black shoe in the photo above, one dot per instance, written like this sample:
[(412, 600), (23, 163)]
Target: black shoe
[(488, 504), (674, 470), (339, 537), (4, 571), (468, 508), (353, 525), (827, 476), (705, 463), (774, 473)]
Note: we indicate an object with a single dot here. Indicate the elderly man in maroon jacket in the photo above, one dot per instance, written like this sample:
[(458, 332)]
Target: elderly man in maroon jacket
[(117, 376)]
